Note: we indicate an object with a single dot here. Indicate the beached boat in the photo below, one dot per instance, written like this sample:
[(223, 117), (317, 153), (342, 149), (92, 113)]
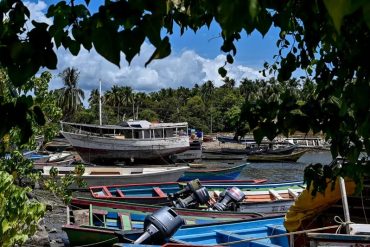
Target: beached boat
[(256, 232), (121, 175), (96, 226), (229, 173), (264, 198), (218, 155), (82, 202), (194, 153), (293, 157), (315, 143), (129, 142), (264, 148)]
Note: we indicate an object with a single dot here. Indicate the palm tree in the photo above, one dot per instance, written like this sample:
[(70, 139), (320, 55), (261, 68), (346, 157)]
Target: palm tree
[(127, 95), (114, 98), (140, 98), (94, 98), (207, 90), (70, 96)]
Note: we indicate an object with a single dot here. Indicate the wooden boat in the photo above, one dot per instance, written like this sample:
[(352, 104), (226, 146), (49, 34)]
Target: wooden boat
[(96, 226), (261, 149), (194, 153), (276, 157), (315, 143), (229, 173), (261, 198), (81, 202), (217, 155), (130, 141), (117, 175), (255, 232)]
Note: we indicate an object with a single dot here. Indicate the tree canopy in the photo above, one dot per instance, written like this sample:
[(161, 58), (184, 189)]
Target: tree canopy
[(325, 38)]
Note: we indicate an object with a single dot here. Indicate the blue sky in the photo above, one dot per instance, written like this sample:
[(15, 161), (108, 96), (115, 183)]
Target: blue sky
[(195, 58)]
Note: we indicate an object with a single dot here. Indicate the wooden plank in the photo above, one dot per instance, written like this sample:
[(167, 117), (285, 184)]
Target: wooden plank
[(159, 192), (293, 193), (106, 191), (275, 194), (120, 193), (125, 219)]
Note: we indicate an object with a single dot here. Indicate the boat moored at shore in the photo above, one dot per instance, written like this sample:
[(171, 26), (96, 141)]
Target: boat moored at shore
[(129, 142)]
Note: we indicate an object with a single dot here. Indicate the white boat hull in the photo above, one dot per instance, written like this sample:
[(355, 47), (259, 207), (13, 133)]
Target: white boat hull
[(99, 176), (96, 149)]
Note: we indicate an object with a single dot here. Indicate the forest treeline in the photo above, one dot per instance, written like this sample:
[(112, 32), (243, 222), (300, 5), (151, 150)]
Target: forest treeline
[(204, 106)]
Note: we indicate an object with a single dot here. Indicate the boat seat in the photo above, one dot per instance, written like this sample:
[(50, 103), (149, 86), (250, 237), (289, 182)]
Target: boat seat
[(293, 193), (120, 193), (96, 216), (125, 220), (158, 192), (226, 236), (275, 194)]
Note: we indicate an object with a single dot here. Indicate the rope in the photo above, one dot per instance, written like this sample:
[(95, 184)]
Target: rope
[(338, 220)]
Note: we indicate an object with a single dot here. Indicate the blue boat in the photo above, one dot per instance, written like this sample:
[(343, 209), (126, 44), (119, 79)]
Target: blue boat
[(213, 174), (256, 232)]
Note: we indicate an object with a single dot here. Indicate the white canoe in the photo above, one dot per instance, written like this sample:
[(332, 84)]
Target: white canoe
[(97, 176)]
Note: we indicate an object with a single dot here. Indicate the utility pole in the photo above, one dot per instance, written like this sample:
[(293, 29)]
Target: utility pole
[(100, 119)]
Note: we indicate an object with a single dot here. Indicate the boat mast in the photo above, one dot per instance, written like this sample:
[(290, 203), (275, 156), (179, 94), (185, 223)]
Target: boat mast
[(100, 120)]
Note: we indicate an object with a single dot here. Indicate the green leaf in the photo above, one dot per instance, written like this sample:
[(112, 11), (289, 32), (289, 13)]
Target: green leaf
[(161, 51), (366, 13), (229, 59), (104, 37), (39, 115), (258, 135), (337, 10), (222, 71)]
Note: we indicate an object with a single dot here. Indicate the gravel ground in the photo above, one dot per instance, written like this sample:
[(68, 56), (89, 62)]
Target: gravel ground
[(55, 217)]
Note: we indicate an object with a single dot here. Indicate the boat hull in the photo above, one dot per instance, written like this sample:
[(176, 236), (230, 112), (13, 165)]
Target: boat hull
[(276, 157), (95, 176), (213, 174), (96, 149)]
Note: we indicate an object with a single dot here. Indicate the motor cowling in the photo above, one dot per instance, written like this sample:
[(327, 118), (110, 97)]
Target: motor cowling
[(160, 226), (189, 188), (199, 196), (227, 198)]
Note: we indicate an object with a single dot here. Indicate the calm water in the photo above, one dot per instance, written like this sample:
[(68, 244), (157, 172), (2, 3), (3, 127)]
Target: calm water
[(282, 171)]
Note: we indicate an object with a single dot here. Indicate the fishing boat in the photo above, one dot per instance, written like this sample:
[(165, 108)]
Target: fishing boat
[(263, 148), (229, 173), (82, 202), (260, 197), (262, 232), (218, 155), (194, 153), (293, 157), (129, 142), (313, 143), (96, 226), (94, 176)]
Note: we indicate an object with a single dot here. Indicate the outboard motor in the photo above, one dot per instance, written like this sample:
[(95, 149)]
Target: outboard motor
[(190, 187), (190, 196), (160, 225), (199, 196), (228, 197)]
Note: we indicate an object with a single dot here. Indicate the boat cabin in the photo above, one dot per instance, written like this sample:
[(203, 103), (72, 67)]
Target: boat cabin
[(139, 129)]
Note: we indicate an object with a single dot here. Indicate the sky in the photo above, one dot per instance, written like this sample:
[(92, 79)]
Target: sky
[(195, 58)]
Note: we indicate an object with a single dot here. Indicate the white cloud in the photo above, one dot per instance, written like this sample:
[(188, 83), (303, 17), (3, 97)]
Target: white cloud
[(179, 69), (184, 69), (37, 11)]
